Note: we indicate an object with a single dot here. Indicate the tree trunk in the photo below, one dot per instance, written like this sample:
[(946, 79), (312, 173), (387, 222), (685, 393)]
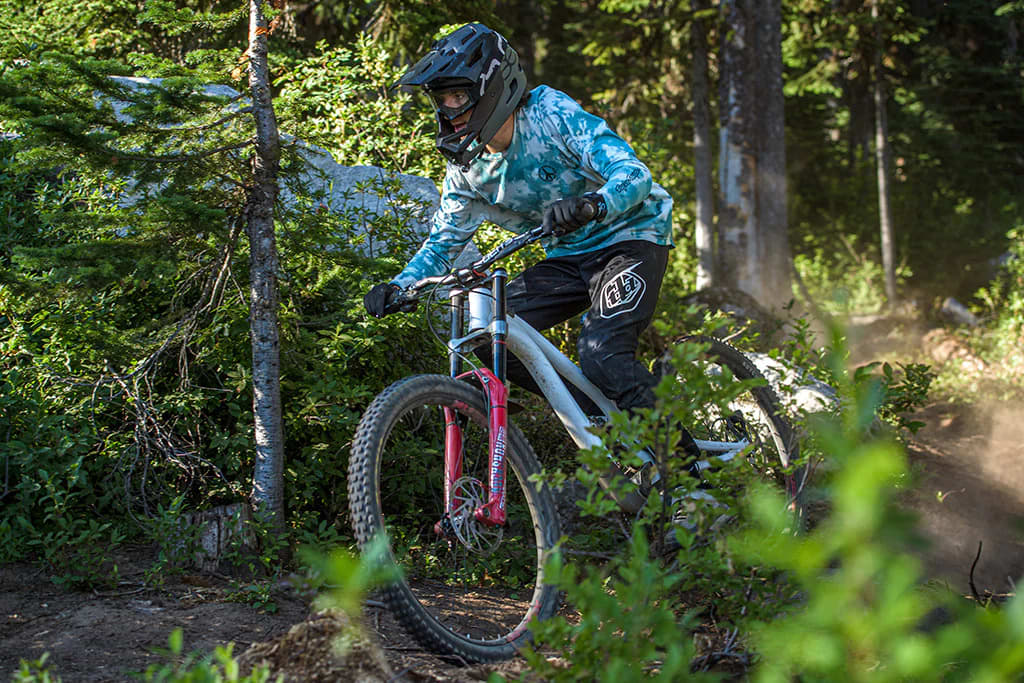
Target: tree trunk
[(754, 247), (882, 164), (704, 230), (736, 215), (772, 218), (526, 20), (737, 218), (268, 475)]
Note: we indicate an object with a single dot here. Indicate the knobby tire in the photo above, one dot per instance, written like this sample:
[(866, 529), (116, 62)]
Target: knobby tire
[(465, 605)]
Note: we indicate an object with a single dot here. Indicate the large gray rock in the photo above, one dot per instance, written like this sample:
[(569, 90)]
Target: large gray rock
[(367, 194), (364, 195), (364, 190), (137, 83), (799, 391), (955, 312)]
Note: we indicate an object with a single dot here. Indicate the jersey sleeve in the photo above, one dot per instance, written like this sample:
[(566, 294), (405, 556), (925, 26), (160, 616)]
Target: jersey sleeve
[(452, 227), (628, 181)]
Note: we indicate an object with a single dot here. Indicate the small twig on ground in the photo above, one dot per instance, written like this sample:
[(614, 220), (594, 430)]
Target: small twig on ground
[(705, 662), (398, 676), (626, 531), (118, 594), (13, 620), (731, 640), (970, 577), (746, 593)]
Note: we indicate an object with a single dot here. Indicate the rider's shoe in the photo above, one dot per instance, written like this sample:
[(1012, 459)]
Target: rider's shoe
[(688, 511), (647, 477)]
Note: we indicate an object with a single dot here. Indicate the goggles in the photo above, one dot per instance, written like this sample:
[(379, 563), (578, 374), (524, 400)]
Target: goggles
[(452, 102)]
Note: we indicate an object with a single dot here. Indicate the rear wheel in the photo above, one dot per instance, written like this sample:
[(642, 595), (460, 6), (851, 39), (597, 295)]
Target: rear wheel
[(752, 425), (466, 590)]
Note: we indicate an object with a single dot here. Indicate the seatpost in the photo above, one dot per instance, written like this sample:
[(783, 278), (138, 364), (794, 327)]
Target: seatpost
[(499, 326), (457, 323)]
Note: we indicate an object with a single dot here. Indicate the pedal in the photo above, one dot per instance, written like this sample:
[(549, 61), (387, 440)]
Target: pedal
[(645, 478)]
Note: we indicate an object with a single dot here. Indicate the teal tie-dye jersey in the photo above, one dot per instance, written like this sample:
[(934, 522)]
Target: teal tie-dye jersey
[(558, 150)]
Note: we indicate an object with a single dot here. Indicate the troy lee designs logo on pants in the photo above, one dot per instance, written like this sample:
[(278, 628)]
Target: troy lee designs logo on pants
[(622, 293)]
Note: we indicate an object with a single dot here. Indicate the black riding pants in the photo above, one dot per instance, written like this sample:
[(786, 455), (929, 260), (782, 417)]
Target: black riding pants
[(618, 288)]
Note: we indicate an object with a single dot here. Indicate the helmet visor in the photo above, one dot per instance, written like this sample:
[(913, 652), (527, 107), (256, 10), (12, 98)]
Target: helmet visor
[(452, 102)]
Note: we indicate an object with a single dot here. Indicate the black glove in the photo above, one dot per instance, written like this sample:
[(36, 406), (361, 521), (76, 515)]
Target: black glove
[(566, 215), (377, 299)]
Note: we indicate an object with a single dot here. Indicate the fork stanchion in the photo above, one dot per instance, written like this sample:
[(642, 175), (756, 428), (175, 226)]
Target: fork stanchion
[(499, 326), (457, 321)]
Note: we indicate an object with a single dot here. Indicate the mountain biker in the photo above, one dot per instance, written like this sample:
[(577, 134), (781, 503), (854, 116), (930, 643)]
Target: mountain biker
[(520, 158)]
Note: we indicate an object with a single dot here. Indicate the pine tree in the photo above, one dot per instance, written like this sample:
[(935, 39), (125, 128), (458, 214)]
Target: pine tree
[(148, 186)]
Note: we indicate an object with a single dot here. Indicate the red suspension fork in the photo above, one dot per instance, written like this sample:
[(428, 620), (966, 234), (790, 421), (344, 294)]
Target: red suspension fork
[(491, 513), (452, 455)]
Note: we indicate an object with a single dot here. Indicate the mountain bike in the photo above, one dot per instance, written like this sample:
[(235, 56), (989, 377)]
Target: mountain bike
[(439, 470)]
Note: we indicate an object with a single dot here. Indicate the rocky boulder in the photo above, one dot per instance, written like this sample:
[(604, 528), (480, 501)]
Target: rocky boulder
[(362, 194), (799, 391)]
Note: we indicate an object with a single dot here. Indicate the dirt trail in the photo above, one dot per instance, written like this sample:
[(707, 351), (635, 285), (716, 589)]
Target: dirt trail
[(969, 466), (968, 488), (106, 636)]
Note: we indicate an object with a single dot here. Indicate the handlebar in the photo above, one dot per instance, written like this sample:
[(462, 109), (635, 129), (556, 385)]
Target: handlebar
[(405, 300)]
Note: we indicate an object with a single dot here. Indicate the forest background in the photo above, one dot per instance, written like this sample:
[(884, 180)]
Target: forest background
[(127, 388)]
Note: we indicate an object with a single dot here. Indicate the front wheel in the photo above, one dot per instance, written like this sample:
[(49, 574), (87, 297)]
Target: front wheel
[(466, 590)]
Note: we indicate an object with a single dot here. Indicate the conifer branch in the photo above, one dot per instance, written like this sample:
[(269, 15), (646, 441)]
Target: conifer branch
[(176, 158), (198, 128)]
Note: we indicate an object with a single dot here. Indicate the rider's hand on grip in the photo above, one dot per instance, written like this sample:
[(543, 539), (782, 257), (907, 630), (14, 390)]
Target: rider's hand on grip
[(565, 215), (379, 299)]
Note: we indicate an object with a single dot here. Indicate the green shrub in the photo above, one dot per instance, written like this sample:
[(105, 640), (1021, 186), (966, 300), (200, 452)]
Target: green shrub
[(629, 627), (341, 99), (843, 282), (35, 671), (865, 611), (902, 389), (845, 601), (639, 606), (124, 356), (1000, 341)]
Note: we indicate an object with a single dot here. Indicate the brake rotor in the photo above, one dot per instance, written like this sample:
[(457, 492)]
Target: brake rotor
[(469, 495)]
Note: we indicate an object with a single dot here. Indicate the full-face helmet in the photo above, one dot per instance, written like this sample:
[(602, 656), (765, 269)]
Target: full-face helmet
[(471, 68)]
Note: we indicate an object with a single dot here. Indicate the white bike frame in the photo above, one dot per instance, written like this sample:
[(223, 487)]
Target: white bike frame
[(553, 371), (489, 322)]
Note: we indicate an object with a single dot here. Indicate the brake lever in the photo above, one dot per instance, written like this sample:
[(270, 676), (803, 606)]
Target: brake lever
[(402, 303), (469, 277)]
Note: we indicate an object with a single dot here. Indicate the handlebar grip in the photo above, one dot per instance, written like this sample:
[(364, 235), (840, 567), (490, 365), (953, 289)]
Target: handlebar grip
[(402, 302), (587, 211)]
